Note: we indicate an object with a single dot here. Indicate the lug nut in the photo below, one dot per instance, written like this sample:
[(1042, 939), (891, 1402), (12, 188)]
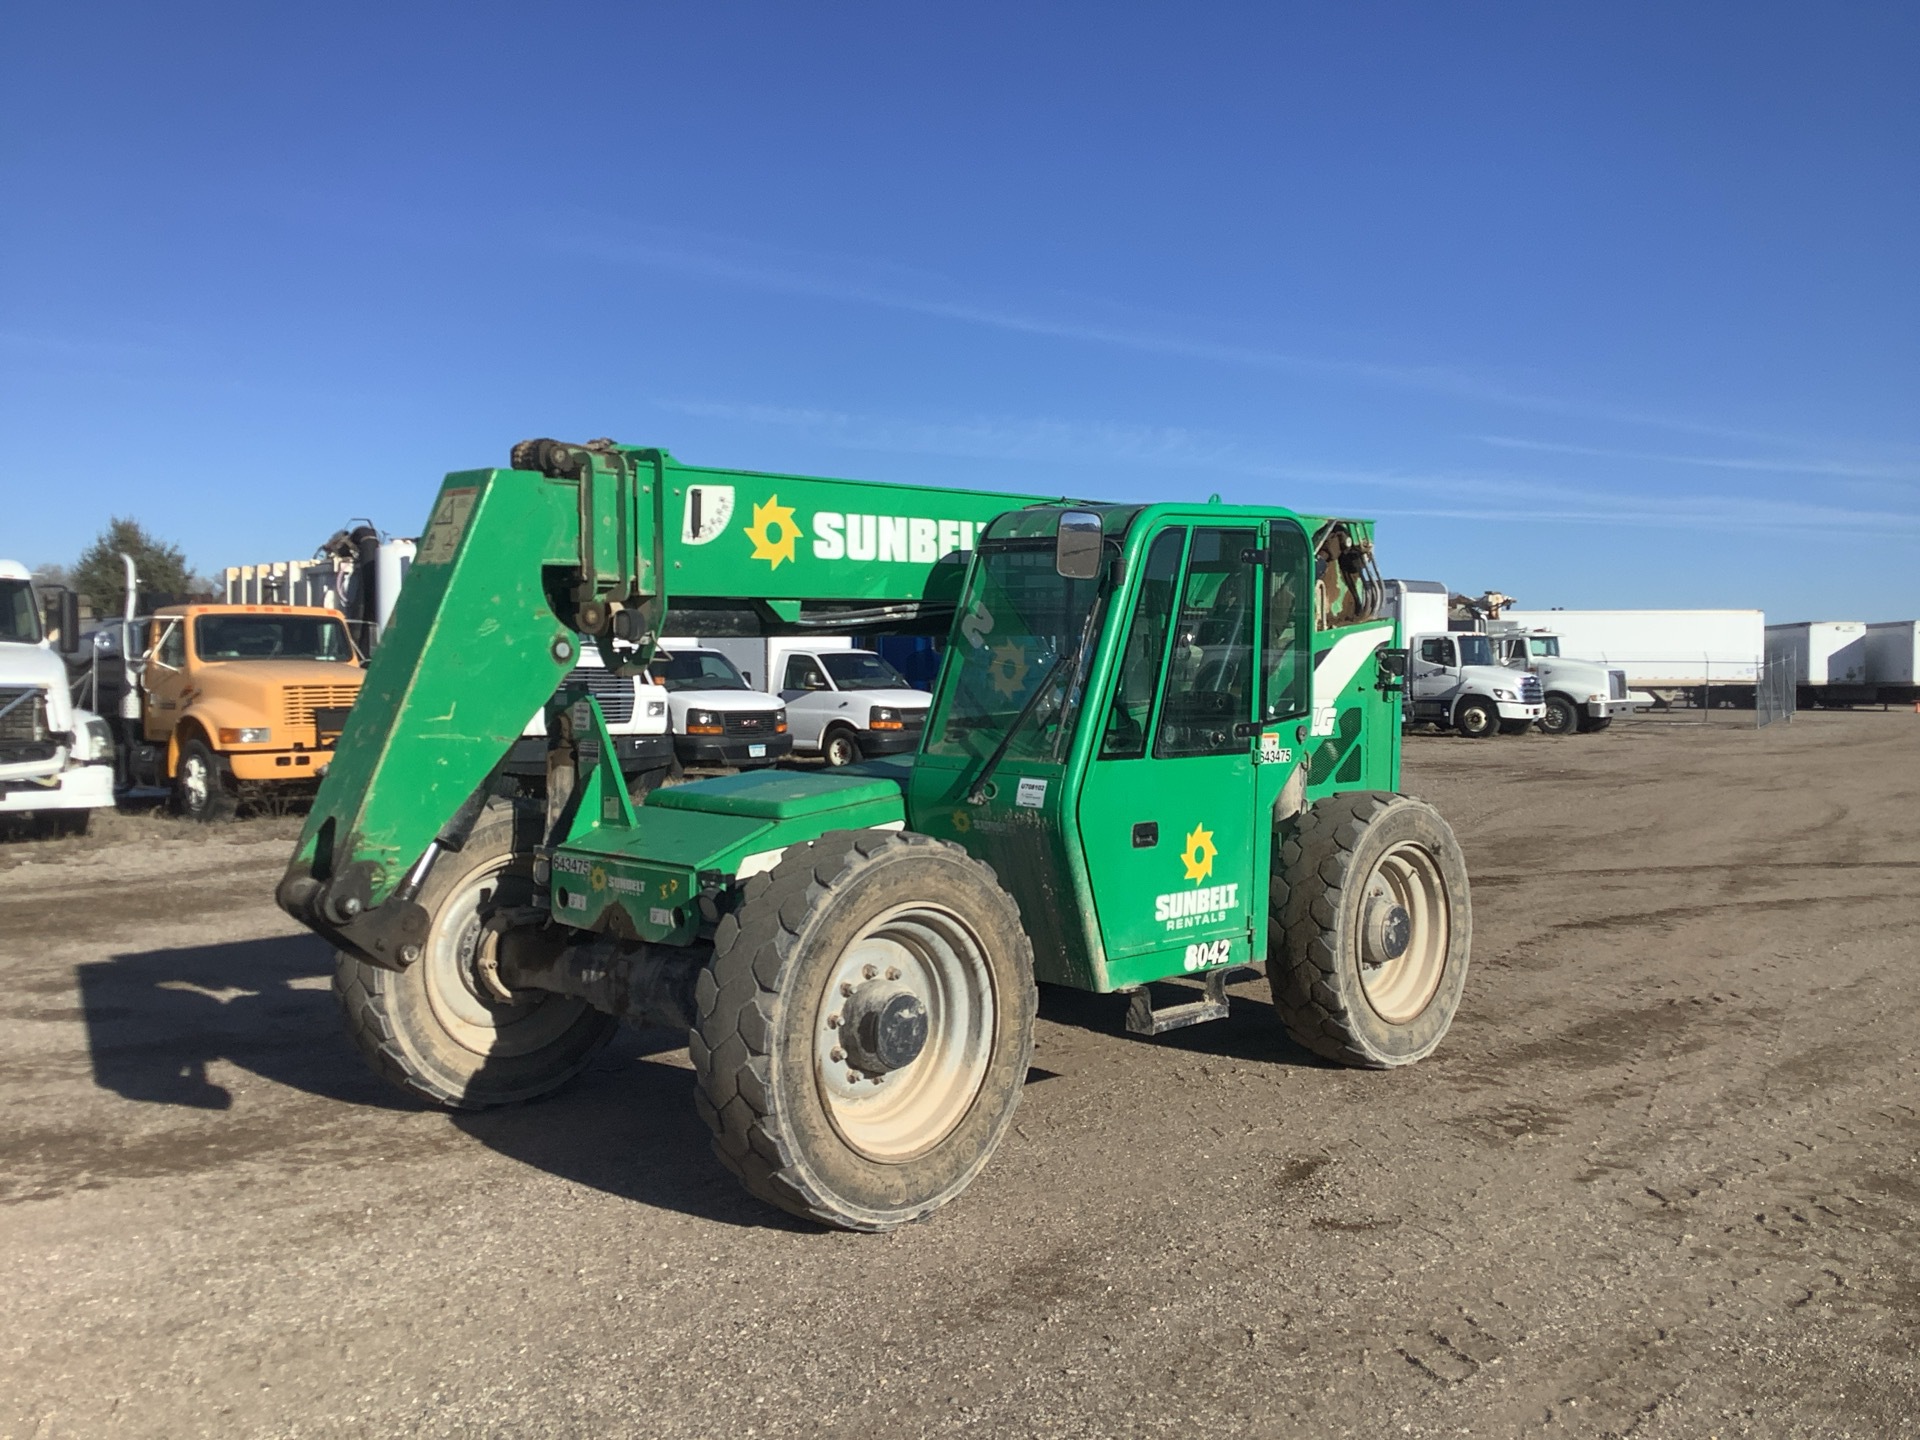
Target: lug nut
[(853, 1077), (833, 1022), (846, 987), (893, 972), (838, 1055), (868, 971)]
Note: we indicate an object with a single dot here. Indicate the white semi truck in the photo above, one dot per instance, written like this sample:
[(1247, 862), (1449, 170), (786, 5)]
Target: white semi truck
[(1580, 695), (1454, 680), (56, 760), (843, 703)]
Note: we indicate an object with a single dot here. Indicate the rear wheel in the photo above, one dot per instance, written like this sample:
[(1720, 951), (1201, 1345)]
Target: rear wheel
[(864, 1028), (1371, 928), (1476, 718), (441, 1029), (840, 747), (201, 788), (1561, 717)]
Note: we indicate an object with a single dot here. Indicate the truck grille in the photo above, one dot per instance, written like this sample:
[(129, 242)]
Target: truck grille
[(1616, 684), (614, 692), (1530, 691), (302, 700), (748, 722), (23, 725)]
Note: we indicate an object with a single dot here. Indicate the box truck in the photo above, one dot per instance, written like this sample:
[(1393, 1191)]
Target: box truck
[(1454, 681)]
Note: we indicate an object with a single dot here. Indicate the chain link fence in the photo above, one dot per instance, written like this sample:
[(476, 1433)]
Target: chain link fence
[(1774, 696)]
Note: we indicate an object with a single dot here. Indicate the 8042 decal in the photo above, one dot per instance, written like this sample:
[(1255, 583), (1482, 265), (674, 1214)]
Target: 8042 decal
[(1204, 954)]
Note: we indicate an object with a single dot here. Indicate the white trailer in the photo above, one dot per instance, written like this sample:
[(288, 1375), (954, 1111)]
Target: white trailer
[(1827, 659), (1893, 660), (1705, 656)]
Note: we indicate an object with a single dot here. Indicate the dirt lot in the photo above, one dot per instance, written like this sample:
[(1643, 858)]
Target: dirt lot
[(1661, 1180)]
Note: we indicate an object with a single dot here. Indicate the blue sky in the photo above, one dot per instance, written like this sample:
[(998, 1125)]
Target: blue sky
[(1598, 305)]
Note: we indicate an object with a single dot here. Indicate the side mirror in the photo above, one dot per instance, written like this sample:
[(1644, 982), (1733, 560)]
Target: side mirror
[(1393, 663), (1077, 547), (63, 614), (747, 675)]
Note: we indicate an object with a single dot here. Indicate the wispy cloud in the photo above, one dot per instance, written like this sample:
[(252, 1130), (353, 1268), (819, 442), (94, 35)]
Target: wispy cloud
[(1241, 469), (1777, 465)]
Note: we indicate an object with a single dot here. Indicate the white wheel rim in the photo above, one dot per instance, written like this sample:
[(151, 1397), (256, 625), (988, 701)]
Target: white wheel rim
[(484, 1026), (193, 777), (931, 952), (1399, 989), (839, 752)]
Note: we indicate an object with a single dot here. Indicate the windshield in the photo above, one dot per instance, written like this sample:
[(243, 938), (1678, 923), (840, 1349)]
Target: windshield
[(697, 670), (1546, 645), (18, 621), (1018, 619), (271, 637), (859, 670), (1476, 650)]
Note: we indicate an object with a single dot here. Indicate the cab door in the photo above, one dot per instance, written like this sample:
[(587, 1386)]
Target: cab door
[(1167, 809), (164, 679)]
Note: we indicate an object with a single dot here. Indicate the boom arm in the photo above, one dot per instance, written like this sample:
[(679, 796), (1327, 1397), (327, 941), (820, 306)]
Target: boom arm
[(595, 541)]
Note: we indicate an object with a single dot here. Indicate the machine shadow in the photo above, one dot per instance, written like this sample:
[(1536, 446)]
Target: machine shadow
[(156, 1019), (1250, 1031)]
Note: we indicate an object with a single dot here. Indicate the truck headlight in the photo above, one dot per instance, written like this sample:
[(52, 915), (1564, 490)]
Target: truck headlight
[(704, 722), (99, 739), (246, 735), (1505, 695), (656, 708), (885, 717), (779, 722), (1595, 699)]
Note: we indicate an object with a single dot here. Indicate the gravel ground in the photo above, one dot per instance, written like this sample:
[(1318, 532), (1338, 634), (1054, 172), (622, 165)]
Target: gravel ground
[(1660, 1180)]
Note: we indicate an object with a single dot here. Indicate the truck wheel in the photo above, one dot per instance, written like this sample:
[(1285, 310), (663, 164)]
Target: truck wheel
[(864, 1028), (1371, 926), (1562, 717), (200, 789), (436, 1029), (1476, 718), (1593, 724), (840, 747)]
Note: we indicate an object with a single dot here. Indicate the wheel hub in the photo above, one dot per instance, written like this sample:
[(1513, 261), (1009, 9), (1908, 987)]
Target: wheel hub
[(885, 1027), (1388, 931)]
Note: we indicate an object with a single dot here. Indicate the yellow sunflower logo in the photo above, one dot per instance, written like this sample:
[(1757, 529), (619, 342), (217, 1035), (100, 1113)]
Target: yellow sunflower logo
[(770, 520), (1008, 669), (1198, 856), (597, 878)]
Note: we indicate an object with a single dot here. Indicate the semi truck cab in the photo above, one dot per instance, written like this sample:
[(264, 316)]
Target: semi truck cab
[(56, 760), (1455, 681), (1578, 695)]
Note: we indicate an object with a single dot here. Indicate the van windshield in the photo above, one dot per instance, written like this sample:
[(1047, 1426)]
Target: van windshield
[(271, 637), (862, 670), (18, 621), (696, 670)]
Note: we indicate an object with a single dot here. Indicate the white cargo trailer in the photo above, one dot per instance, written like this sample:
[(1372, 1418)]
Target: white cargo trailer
[(1893, 660), (1827, 659), (1706, 656)]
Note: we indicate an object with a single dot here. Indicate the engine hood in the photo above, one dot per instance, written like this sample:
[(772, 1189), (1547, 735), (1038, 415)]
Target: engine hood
[(39, 666), (1493, 677), (682, 701), (889, 699), (259, 686), (1572, 674)]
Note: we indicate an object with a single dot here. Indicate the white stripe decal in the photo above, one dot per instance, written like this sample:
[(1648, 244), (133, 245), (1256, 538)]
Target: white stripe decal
[(1336, 667)]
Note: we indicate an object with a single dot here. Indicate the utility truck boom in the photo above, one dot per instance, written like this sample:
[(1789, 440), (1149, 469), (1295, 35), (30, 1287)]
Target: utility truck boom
[(1164, 743)]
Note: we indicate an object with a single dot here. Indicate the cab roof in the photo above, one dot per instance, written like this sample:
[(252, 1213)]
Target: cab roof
[(212, 609)]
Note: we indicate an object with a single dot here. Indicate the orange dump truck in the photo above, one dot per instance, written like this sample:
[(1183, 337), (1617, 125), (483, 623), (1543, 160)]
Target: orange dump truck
[(238, 702)]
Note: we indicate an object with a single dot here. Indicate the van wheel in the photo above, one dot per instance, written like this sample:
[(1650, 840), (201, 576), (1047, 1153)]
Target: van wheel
[(201, 789), (840, 747), (1476, 718), (1561, 717), (1371, 926)]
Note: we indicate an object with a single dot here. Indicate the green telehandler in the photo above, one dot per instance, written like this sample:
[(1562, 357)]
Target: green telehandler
[(1164, 744)]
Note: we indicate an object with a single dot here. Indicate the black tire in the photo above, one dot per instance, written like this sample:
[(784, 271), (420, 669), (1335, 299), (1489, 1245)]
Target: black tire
[(1594, 724), (1515, 727), (1339, 871), (1476, 718), (57, 824), (774, 1081), (433, 1030), (644, 782), (202, 789), (1562, 717), (840, 747)]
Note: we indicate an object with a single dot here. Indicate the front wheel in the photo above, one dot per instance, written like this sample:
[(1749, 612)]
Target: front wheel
[(201, 790), (1594, 724), (1476, 718), (864, 1028), (840, 747), (1371, 927), (442, 1029), (1561, 717)]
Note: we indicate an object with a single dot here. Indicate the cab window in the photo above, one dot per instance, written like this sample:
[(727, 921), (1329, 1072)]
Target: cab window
[(172, 649), (1132, 707), (1437, 651), (804, 674), (1288, 660), (1209, 684)]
